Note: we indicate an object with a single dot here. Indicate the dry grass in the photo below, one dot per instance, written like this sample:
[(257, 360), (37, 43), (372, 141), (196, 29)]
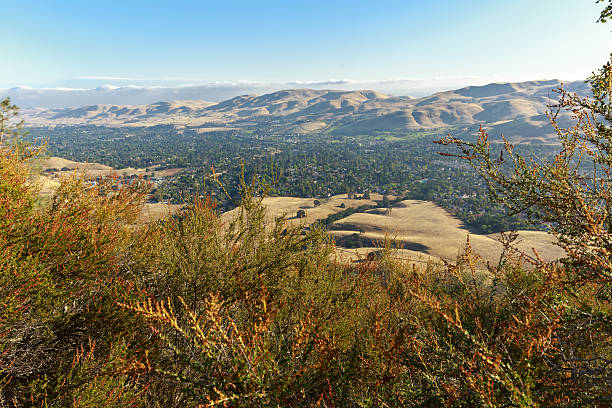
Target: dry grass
[(361, 255), (423, 231), (307, 127), (59, 163), (289, 206), (54, 166), (156, 211), (45, 185), (424, 223)]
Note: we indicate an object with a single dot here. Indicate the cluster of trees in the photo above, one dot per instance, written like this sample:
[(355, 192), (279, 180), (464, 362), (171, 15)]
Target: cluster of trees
[(311, 166), (328, 222)]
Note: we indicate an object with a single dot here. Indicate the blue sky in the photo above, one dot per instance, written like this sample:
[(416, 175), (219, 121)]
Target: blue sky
[(86, 44)]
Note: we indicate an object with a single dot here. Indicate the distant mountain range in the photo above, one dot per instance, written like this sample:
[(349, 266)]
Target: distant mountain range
[(515, 109)]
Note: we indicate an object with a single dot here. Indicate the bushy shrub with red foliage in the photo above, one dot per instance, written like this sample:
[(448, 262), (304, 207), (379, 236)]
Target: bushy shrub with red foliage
[(60, 272)]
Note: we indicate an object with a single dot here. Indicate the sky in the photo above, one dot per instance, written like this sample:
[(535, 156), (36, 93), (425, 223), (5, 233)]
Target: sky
[(423, 44)]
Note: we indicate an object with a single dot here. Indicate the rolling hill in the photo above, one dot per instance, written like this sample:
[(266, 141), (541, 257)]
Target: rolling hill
[(422, 230), (516, 109)]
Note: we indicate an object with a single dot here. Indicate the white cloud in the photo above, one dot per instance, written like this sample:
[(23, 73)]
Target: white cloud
[(108, 78), (221, 90)]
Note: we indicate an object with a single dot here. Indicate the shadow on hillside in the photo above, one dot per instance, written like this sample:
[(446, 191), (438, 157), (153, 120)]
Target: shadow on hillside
[(358, 241)]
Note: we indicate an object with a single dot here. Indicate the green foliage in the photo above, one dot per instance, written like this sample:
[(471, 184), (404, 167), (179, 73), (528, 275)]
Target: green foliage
[(8, 130), (253, 283), (331, 218), (60, 271), (606, 12), (313, 166), (572, 193), (89, 381)]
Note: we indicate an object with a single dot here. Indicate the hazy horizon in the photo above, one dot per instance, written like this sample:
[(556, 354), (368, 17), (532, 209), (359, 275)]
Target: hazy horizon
[(28, 97)]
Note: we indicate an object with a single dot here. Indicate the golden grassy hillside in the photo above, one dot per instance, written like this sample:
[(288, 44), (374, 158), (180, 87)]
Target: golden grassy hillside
[(289, 206), (424, 227), (346, 112), (156, 211), (52, 173), (422, 230), (53, 166)]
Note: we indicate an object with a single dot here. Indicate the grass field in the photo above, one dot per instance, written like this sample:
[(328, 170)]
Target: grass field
[(426, 228), (421, 230), (156, 211), (53, 166), (289, 206)]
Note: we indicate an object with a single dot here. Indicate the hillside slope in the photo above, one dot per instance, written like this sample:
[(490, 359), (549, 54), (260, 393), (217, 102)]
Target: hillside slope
[(517, 109), (421, 229)]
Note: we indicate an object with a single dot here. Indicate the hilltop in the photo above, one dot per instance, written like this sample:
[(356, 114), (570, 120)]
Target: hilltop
[(515, 109)]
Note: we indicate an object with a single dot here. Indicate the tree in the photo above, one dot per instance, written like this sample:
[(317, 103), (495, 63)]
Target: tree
[(301, 214), (573, 193), (385, 201), (60, 278), (8, 111), (606, 13)]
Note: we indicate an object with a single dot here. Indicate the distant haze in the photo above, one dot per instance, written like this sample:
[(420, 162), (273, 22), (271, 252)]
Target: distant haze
[(60, 97)]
